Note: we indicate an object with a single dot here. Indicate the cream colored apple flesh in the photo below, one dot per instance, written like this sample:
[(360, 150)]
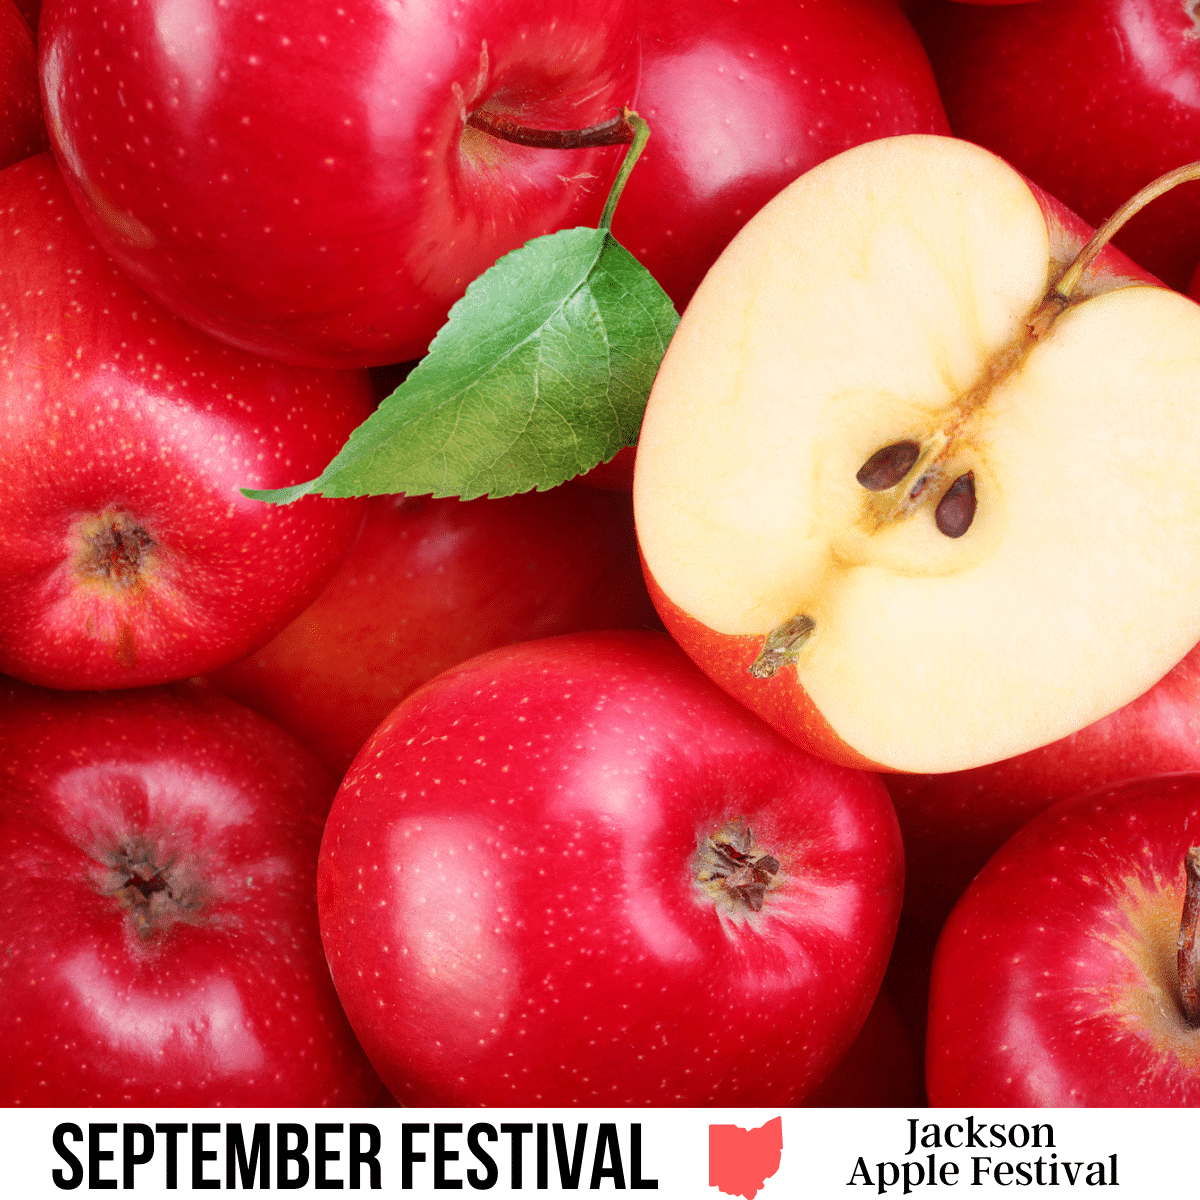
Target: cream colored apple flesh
[(880, 511)]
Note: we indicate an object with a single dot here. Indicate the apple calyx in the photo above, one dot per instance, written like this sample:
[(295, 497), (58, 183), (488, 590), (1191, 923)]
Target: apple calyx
[(116, 549), (155, 896), (1186, 955), (783, 645), (616, 131), (733, 872)]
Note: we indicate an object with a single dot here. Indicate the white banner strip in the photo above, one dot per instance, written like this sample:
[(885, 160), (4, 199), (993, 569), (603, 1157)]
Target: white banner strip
[(693, 1153)]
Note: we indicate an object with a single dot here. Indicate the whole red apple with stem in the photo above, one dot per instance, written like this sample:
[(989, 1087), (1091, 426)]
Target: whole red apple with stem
[(1091, 99), (1066, 975), (128, 555), (306, 182), (573, 871), (430, 583), (159, 944)]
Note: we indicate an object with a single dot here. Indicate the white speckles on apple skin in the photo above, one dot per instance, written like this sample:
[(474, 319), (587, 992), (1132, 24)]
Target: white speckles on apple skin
[(553, 946), (396, 218), (107, 403)]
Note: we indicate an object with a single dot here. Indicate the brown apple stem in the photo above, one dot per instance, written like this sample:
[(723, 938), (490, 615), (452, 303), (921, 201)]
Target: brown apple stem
[(615, 132), (1189, 991), (1059, 297)]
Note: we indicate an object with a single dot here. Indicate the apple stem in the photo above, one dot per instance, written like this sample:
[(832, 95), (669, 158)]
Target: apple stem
[(641, 135), (1189, 991), (617, 131), (1059, 297)]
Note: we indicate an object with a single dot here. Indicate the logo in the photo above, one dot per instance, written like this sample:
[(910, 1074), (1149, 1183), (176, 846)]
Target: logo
[(740, 1160)]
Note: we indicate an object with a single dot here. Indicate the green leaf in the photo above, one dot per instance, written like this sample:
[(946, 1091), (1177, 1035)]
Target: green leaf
[(541, 371)]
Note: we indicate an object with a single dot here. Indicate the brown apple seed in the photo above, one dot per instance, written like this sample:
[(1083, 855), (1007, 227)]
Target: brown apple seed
[(956, 509), (887, 466)]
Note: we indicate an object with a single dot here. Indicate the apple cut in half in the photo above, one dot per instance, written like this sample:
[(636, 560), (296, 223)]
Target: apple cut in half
[(894, 507)]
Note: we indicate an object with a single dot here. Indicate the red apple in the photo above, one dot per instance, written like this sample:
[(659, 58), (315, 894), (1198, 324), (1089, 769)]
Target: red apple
[(128, 555), (157, 908), (22, 131), (1056, 981), (430, 583), (1092, 99), (742, 98), (953, 823), (575, 872), (300, 181)]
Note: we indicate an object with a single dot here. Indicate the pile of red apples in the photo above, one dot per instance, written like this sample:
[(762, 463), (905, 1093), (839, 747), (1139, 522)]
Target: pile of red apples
[(847, 721)]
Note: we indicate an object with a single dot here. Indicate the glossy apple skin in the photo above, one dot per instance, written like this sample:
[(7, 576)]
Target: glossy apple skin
[(1092, 99), (22, 131), (112, 410), (954, 823), (743, 98), (294, 179), (430, 583), (1054, 980), (781, 700), (223, 998), (509, 910)]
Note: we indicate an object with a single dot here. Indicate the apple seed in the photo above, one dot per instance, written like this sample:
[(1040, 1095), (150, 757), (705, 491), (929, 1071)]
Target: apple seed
[(956, 509), (888, 466)]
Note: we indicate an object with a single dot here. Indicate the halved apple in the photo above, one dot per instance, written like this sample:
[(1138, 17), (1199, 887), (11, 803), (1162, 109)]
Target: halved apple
[(910, 525)]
